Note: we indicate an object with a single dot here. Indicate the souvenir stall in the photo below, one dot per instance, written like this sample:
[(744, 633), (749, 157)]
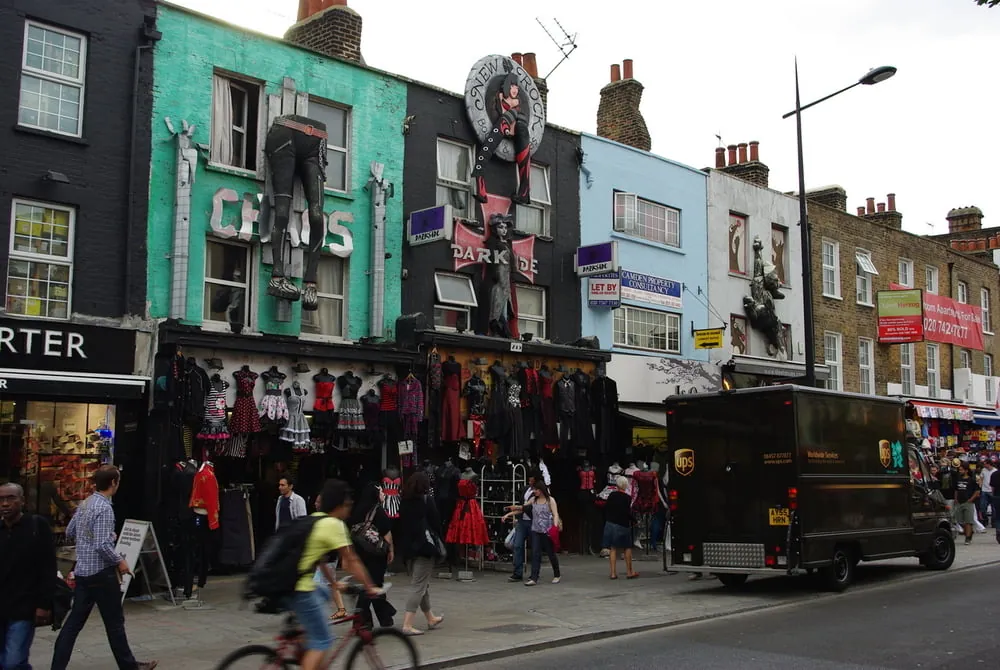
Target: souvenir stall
[(938, 426)]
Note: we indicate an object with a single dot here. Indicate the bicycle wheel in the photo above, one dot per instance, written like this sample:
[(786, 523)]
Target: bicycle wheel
[(389, 648), (253, 656)]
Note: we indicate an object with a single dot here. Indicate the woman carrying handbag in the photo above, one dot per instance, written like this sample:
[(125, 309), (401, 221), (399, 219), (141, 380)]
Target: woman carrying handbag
[(545, 527), (421, 547)]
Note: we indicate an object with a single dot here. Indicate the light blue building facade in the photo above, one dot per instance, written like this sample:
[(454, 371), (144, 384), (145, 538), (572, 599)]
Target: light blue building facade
[(655, 212)]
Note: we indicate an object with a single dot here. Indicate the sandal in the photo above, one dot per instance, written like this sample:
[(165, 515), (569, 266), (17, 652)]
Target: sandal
[(432, 626), (634, 575), (613, 577), (339, 614), (410, 632)]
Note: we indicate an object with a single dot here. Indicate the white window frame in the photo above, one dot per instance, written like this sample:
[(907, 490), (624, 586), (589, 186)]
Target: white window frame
[(345, 282), (864, 271), (906, 376), (671, 318), (833, 270), (866, 365), (77, 82), (963, 293), (453, 308), (446, 182), (31, 257), (248, 285), (260, 100), (346, 151), (988, 373), (933, 370), (461, 303), (984, 306), (836, 365), (931, 278), (540, 204), (906, 272), (535, 318), (964, 359), (630, 222)]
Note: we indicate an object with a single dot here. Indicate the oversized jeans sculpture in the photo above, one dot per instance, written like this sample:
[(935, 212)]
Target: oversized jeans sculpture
[(296, 147)]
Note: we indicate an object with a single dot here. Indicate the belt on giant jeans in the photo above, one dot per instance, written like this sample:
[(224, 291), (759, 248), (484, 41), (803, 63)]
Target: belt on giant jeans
[(301, 127)]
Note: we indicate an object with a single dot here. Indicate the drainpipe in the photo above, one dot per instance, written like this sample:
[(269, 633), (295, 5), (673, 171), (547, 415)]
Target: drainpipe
[(379, 190), (951, 286), (187, 166)]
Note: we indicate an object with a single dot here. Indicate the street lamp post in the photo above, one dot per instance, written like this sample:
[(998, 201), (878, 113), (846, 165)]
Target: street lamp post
[(874, 76)]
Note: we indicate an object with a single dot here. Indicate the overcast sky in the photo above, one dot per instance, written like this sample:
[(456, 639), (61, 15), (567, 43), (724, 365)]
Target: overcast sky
[(725, 67)]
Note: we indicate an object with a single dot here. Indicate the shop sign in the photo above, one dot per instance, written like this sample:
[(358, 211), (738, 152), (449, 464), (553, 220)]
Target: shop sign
[(900, 316), (604, 290), (950, 322), (48, 345), (430, 225), (596, 259), (651, 289), (708, 338), (469, 248)]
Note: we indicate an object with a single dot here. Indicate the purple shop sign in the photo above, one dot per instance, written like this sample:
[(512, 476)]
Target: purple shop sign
[(430, 225), (595, 259)]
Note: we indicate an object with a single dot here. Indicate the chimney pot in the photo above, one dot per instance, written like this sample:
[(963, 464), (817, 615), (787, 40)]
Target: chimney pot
[(627, 68), (994, 242), (720, 157), (743, 152), (530, 64), (881, 208), (732, 154), (861, 210), (891, 198), (755, 151), (870, 205), (517, 58), (616, 73)]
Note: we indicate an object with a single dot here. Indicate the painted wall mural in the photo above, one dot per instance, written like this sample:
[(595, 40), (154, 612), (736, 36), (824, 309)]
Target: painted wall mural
[(737, 244), (779, 252), (738, 335)]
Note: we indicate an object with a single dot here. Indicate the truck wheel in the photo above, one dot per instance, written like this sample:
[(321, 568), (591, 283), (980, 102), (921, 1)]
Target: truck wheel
[(732, 580), (840, 574), (942, 552)]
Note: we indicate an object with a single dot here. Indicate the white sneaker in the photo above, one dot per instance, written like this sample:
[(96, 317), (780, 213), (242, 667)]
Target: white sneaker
[(530, 582), (555, 580)]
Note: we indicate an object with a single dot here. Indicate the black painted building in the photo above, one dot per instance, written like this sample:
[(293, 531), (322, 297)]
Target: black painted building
[(74, 127)]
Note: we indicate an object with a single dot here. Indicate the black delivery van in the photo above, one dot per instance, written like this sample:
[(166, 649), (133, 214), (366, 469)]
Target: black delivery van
[(790, 479)]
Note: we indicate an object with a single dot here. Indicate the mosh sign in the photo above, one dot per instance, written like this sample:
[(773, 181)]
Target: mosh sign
[(596, 259), (47, 345), (950, 322), (430, 225)]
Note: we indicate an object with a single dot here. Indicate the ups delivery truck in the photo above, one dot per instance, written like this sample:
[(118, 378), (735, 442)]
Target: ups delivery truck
[(791, 480)]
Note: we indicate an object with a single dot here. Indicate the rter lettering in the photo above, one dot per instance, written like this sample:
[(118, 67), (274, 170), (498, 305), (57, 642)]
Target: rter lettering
[(35, 341)]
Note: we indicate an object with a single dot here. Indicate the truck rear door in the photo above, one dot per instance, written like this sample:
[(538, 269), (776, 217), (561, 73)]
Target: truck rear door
[(733, 508)]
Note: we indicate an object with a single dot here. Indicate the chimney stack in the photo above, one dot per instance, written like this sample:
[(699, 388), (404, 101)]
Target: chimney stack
[(528, 61), (831, 196), (329, 27), (891, 198), (881, 208), (964, 219), (869, 205), (748, 169), (861, 211), (518, 58), (884, 213), (618, 115)]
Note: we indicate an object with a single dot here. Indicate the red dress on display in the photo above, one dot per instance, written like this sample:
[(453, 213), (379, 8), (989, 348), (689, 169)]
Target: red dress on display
[(646, 499), (451, 418), (467, 523)]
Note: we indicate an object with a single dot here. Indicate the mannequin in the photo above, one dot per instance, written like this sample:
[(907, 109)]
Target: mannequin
[(273, 408), (411, 410), (388, 414), (204, 503), (585, 498), (245, 419), (549, 432), (531, 400), (498, 419), (451, 419), (351, 416), (296, 431), (604, 402), (583, 429), (324, 410), (565, 403), (518, 443), (369, 409), (215, 426), (392, 483)]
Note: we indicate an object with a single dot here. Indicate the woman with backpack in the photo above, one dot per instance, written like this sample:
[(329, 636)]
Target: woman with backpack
[(371, 532), (421, 546)]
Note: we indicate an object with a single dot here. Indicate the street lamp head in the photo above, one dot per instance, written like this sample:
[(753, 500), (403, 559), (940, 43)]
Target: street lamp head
[(877, 75)]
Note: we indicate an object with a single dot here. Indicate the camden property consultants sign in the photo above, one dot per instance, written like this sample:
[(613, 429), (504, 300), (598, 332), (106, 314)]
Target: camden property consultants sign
[(651, 289)]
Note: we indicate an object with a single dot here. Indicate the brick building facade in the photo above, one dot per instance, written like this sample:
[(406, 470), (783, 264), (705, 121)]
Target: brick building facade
[(845, 295)]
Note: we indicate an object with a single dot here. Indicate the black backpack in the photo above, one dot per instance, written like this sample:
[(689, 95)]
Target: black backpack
[(276, 571)]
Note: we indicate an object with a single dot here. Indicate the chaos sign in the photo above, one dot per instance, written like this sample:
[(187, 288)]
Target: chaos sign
[(506, 111)]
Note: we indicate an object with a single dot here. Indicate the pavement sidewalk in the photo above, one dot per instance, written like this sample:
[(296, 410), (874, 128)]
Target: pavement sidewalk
[(486, 618)]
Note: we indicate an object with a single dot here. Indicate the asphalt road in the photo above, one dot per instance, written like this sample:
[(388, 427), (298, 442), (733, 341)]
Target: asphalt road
[(948, 621)]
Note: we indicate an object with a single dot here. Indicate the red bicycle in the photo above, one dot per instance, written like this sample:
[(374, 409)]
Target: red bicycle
[(381, 649)]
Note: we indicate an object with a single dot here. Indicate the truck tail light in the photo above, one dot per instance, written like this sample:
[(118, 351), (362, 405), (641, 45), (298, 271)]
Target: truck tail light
[(673, 497), (793, 498)]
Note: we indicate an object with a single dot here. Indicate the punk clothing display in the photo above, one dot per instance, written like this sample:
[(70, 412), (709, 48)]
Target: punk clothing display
[(391, 489), (583, 431), (468, 526), (646, 497), (205, 494), (215, 426), (604, 400), (411, 406), (296, 431), (273, 406), (245, 419), (451, 418), (531, 405), (498, 417), (351, 416), (565, 405), (324, 416), (369, 409), (475, 391), (518, 443), (550, 423)]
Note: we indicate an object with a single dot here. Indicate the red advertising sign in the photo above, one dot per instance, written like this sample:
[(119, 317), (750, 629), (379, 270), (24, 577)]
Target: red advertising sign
[(951, 322)]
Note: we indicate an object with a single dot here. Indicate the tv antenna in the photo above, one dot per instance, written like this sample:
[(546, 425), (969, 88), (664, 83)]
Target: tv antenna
[(566, 48), (718, 136)]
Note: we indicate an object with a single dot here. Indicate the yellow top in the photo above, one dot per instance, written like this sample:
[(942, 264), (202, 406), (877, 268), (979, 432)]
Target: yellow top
[(328, 534)]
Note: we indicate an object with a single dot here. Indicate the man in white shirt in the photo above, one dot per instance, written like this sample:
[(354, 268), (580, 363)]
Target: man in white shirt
[(291, 505), (986, 491)]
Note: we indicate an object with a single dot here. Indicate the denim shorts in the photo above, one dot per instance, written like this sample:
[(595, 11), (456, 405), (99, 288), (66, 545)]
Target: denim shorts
[(616, 536), (313, 613)]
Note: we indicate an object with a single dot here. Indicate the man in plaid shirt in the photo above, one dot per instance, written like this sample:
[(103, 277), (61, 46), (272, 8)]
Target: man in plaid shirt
[(99, 569)]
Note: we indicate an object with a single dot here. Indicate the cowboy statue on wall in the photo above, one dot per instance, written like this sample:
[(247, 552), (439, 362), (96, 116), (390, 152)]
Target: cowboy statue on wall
[(508, 116), (759, 305)]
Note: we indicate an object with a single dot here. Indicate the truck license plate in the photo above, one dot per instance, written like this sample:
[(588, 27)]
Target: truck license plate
[(779, 517)]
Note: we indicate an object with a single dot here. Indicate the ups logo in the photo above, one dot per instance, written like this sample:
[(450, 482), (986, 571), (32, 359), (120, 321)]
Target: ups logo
[(684, 461)]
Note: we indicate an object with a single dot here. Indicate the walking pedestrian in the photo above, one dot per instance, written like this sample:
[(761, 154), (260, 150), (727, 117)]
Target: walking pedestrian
[(544, 517), (99, 571), (367, 522), (986, 491), (966, 494), (522, 525), (27, 571), (618, 528), (290, 506), (420, 542)]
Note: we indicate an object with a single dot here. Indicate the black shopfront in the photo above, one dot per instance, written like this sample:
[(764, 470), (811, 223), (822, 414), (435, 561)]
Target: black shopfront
[(70, 402)]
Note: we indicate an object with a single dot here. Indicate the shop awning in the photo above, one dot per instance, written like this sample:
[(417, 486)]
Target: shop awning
[(942, 410), (71, 384), (644, 413), (985, 417), (769, 367)]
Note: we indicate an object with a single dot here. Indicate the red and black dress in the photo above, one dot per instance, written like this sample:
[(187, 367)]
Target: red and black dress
[(451, 416), (245, 419), (467, 523)]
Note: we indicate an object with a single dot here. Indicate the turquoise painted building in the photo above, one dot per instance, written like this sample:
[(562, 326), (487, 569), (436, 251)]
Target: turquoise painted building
[(655, 210), (216, 87)]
